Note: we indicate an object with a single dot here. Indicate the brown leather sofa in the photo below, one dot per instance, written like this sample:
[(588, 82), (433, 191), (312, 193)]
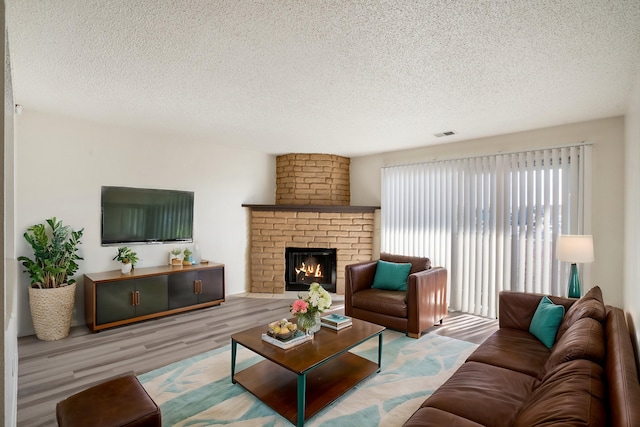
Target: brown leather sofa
[(587, 378), (421, 306)]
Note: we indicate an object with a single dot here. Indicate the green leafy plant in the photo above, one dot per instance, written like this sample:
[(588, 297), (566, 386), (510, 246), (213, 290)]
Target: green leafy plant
[(55, 252), (176, 251), (187, 252), (126, 255)]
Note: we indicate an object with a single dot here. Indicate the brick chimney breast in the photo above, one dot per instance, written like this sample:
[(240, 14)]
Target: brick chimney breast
[(313, 179), (313, 210)]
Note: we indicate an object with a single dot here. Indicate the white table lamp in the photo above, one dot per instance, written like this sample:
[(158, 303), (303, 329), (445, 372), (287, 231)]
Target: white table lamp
[(574, 249)]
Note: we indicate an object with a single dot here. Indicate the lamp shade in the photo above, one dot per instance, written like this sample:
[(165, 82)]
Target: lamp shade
[(574, 249)]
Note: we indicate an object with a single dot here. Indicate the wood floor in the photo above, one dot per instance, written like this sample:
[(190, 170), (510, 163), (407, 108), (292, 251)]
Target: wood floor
[(51, 371)]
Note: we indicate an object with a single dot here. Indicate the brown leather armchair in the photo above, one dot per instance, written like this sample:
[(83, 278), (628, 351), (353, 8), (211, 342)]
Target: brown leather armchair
[(421, 306)]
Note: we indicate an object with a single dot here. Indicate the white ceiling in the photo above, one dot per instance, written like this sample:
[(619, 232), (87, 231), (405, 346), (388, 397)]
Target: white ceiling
[(340, 77)]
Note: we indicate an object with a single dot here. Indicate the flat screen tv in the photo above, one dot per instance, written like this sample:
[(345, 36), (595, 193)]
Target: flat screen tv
[(145, 215)]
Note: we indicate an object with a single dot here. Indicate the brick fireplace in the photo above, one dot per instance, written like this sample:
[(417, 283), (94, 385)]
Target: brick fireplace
[(304, 266), (312, 211)]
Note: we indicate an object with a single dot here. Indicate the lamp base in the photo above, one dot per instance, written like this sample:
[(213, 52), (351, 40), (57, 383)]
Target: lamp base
[(574, 283)]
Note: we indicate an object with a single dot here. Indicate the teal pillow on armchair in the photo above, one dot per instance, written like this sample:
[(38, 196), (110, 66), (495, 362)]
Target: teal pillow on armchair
[(391, 276)]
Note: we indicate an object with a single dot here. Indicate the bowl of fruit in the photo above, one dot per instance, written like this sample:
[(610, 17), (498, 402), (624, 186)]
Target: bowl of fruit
[(282, 329)]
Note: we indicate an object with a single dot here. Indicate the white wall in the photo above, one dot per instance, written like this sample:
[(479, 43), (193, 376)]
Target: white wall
[(10, 275), (63, 162), (632, 213), (607, 135), (9, 400)]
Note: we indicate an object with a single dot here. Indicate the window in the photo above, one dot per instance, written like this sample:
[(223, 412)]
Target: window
[(492, 221)]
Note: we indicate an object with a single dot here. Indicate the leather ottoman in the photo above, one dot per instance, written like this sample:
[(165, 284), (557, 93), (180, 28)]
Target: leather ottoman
[(118, 402)]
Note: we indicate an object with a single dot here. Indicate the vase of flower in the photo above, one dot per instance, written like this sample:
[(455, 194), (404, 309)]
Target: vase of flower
[(309, 322), (308, 308)]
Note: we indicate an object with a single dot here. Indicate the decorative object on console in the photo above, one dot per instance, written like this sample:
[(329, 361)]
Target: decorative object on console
[(196, 258), (307, 309), (127, 257), (174, 257), (187, 256), (574, 249), (52, 291)]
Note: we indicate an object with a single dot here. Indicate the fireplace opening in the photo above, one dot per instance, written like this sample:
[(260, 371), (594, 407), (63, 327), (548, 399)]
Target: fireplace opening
[(305, 266)]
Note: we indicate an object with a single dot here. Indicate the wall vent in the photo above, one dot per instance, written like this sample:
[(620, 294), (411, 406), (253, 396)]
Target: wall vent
[(447, 133)]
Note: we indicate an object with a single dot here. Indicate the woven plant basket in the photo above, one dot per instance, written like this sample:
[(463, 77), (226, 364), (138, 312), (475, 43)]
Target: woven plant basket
[(51, 311)]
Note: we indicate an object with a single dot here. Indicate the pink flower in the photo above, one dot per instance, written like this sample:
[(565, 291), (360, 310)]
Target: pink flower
[(299, 306)]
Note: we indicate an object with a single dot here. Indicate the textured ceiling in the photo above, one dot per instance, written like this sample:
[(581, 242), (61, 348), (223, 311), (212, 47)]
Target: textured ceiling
[(340, 77)]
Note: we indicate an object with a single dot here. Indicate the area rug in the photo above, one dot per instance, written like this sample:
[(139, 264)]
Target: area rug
[(198, 391)]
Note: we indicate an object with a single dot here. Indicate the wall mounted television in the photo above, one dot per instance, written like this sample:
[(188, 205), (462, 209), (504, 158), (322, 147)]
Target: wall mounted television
[(145, 216)]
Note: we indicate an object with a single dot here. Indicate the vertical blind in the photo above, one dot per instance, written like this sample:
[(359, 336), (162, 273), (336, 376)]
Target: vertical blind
[(492, 221)]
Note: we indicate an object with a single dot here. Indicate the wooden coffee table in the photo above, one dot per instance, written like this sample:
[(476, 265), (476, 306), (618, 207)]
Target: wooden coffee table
[(300, 381)]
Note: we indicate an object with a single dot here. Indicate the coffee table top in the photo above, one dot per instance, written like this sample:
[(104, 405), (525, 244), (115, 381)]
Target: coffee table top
[(326, 343)]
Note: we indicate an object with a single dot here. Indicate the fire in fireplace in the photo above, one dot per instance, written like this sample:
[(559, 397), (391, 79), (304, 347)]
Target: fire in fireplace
[(305, 266)]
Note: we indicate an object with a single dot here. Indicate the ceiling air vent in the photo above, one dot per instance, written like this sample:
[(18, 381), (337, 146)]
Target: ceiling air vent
[(447, 133)]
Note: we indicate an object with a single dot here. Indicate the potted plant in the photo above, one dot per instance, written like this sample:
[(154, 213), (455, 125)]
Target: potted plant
[(174, 257), (127, 257), (52, 290), (187, 256)]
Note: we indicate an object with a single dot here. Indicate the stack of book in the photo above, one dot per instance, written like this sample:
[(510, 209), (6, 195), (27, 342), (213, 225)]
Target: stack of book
[(335, 321)]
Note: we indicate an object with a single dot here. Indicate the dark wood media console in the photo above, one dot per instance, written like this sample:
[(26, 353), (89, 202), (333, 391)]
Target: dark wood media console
[(112, 298)]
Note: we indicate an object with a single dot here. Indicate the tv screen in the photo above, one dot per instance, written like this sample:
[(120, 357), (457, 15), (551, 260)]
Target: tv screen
[(144, 215)]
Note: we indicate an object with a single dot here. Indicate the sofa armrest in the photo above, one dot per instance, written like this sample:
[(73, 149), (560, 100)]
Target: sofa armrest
[(435, 277), (359, 276), (426, 298), (516, 309), (621, 372)]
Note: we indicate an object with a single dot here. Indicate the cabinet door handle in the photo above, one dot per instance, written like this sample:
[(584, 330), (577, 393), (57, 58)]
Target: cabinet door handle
[(133, 297), (137, 297), (199, 286)]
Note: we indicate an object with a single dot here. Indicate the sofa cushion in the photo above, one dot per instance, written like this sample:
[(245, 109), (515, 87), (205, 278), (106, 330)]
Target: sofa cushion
[(417, 263), (391, 276), (546, 320), (583, 340), (572, 393), (426, 417), (590, 305), (392, 303), (485, 394), (513, 349)]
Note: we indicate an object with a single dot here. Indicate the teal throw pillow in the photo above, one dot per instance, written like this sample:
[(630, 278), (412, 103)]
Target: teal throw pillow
[(391, 276), (546, 321)]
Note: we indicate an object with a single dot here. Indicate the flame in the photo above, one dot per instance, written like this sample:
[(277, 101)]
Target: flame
[(309, 270)]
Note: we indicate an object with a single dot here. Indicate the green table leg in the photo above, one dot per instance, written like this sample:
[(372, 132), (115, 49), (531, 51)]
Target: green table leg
[(302, 389), (379, 351), (234, 346)]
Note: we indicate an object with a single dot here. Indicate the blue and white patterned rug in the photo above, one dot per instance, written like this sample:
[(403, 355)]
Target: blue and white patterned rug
[(198, 391)]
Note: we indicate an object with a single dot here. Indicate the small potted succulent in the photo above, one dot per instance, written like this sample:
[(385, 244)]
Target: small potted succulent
[(174, 257), (187, 256), (127, 257)]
